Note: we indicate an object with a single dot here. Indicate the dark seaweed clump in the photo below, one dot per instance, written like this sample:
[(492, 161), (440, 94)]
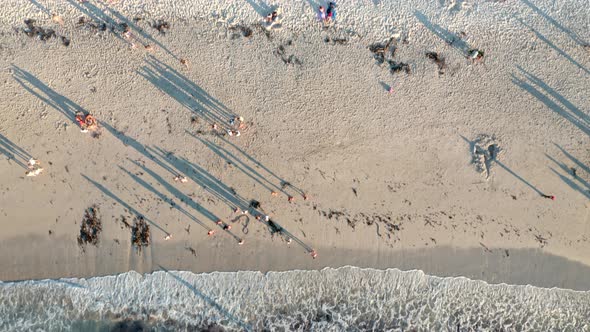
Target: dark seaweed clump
[(140, 233), (33, 30), (91, 227)]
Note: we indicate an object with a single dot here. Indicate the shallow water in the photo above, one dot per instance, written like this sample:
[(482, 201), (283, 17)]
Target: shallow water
[(343, 299)]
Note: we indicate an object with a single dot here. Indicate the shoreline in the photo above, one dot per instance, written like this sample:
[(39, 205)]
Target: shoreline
[(392, 177), (523, 266)]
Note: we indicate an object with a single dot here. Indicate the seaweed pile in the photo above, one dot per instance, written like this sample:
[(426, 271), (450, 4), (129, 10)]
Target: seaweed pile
[(162, 26), (439, 60), (33, 30), (91, 227), (140, 233), (281, 52), (385, 52)]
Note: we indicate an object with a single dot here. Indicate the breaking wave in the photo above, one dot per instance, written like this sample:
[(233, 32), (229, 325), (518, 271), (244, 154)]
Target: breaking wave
[(343, 299)]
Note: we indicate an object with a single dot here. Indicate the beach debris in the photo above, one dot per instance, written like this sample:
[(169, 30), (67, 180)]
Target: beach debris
[(551, 197), (542, 241), (210, 232), (90, 227), (392, 225), (85, 22), (438, 60), (241, 242), (485, 248), (36, 31), (140, 233), (383, 50), (192, 251), (336, 40), (65, 41), (245, 31), (161, 25), (124, 222), (281, 52), (395, 67), (167, 237)]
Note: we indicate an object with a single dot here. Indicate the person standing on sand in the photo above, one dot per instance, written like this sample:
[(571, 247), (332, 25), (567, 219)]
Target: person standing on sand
[(321, 14), (331, 12)]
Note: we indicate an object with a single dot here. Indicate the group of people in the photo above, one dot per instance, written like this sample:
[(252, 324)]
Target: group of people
[(87, 122), (329, 14), (34, 167)]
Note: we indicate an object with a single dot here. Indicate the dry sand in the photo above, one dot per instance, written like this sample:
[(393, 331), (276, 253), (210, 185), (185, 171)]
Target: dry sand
[(391, 177)]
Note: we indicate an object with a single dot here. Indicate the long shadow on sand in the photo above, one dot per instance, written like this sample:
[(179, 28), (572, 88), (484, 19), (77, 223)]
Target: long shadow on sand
[(183, 198), (164, 198), (250, 167), (574, 36), (41, 7), (13, 152), (506, 168), (209, 301), (520, 178), (187, 93), (37, 88), (115, 22), (127, 140), (553, 46), (122, 203), (178, 165), (570, 175), (448, 37), (261, 7), (540, 90)]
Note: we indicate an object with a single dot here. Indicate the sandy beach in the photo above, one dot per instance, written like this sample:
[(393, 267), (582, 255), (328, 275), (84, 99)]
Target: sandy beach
[(403, 179)]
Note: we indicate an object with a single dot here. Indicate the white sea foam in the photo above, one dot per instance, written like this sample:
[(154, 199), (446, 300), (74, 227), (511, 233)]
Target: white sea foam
[(347, 298)]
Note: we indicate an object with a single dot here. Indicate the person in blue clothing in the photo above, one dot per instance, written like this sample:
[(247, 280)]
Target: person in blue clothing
[(331, 11)]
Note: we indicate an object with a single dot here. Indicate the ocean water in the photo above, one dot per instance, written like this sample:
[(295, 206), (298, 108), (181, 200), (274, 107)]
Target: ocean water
[(343, 299)]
